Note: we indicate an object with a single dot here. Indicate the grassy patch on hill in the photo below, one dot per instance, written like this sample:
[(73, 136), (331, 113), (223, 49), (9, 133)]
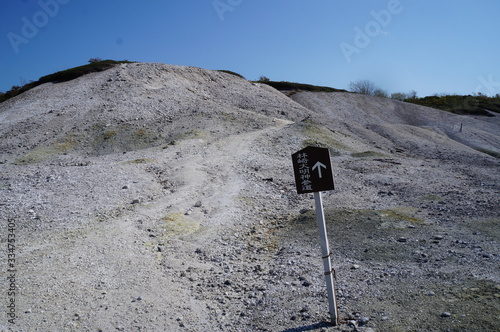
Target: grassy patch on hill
[(292, 86), (383, 226), (176, 224), (472, 105), (318, 135), (42, 153), (490, 152), (232, 73), (62, 76), (368, 154)]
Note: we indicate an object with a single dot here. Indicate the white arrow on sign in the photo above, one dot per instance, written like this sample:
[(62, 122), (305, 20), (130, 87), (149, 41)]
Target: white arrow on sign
[(318, 165)]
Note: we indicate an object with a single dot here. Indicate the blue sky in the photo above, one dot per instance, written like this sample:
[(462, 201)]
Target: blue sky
[(445, 46)]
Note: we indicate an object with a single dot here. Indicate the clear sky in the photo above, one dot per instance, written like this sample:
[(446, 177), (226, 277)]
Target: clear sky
[(430, 46)]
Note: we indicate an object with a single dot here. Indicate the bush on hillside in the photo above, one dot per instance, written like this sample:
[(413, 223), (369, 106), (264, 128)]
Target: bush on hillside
[(381, 93), (232, 73), (473, 105), (399, 96), (291, 86), (93, 60), (364, 87), (263, 79)]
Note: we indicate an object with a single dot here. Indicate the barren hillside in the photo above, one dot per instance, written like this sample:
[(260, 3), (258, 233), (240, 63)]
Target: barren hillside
[(152, 197)]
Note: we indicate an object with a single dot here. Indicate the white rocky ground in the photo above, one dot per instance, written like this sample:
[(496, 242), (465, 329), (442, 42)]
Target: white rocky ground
[(161, 198)]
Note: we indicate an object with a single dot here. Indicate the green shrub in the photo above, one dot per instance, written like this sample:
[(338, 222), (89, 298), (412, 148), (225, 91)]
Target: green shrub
[(71, 74), (291, 86), (381, 93), (472, 105), (232, 73)]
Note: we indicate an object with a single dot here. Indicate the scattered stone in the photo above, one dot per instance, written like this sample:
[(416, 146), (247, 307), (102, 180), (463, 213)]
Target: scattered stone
[(402, 239), (364, 321), (355, 267), (136, 201), (438, 237), (306, 283), (198, 204), (445, 314), (431, 293)]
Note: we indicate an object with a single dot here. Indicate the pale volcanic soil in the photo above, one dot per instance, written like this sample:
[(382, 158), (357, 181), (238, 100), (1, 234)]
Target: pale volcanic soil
[(152, 197)]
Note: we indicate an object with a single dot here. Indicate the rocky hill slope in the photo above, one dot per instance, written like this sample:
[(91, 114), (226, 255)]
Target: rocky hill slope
[(152, 197)]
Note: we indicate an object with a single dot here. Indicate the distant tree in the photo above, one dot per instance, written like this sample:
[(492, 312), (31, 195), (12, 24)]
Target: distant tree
[(399, 96), (364, 87), (380, 93), (93, 60), (412, 95), (264, 79)]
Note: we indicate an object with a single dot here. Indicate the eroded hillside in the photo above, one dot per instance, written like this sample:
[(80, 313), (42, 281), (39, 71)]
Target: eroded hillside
[(151, 197)]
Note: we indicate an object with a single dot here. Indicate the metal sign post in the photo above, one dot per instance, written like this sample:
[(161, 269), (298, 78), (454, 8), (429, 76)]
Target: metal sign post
[(329, 271), (313, 173)]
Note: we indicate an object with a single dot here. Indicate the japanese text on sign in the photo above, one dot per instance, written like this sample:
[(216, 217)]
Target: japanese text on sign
[(305, 172)]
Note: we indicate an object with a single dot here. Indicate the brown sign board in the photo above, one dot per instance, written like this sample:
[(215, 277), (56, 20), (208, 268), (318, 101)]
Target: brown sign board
[(313, 170)]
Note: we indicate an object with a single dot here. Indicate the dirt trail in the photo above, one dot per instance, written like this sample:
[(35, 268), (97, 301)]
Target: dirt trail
[(118, 265)]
